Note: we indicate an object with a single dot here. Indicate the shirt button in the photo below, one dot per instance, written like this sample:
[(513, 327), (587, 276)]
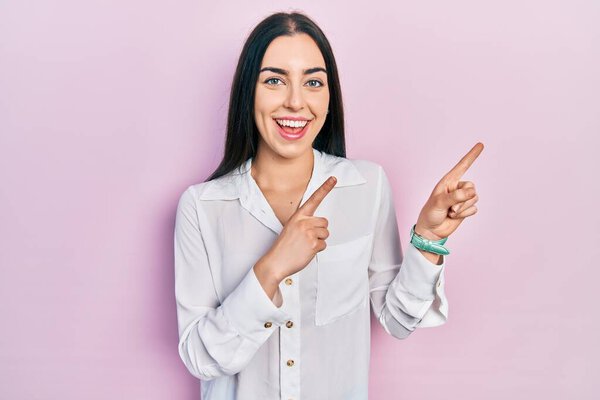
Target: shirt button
[(290, 363), (268, 324), (439, 283), (288, 281), (289, 324)]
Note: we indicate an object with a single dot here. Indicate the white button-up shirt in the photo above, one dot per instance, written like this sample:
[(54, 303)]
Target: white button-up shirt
[(312, 340)]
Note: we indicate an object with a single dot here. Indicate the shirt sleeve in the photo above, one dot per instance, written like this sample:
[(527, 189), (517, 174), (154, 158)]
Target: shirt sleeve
[(216, 339), (406, 290)]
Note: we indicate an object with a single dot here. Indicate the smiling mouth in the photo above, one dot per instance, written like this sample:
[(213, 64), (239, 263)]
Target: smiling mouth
[(292, 127), (292, 132)]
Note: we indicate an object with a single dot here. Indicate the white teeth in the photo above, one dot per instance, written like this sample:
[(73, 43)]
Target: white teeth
[(293, 124)]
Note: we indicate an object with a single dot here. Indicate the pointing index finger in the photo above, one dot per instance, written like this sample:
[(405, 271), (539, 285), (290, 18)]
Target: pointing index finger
[(463, 165), (310, 205)]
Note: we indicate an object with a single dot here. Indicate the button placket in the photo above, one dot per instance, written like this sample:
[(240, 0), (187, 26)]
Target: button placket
[(289, 341)]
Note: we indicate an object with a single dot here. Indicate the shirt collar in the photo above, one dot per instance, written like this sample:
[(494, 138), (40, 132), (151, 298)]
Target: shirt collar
[(240, 184)]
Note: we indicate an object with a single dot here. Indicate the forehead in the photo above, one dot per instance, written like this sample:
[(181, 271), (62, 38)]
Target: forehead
[(295, 52)]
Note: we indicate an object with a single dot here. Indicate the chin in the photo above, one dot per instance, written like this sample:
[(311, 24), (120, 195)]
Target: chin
[(290, 150)]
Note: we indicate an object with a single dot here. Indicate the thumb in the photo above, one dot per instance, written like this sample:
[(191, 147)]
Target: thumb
[(459, 196)]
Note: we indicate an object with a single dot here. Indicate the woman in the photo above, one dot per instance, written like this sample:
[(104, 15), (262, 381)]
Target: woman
[(276, 264)]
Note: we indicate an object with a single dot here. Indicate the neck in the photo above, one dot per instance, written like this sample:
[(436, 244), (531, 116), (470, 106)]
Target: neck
[(272, 171)]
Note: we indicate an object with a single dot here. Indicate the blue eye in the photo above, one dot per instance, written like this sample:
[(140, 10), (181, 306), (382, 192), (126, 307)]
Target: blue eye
[(319, 82), (272, 79)]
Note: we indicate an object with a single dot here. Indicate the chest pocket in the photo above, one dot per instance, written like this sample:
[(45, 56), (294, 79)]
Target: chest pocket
[(342, 279)]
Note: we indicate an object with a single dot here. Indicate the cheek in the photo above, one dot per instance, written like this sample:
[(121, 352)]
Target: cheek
[(320, 102), (266, 99), (261, 110)]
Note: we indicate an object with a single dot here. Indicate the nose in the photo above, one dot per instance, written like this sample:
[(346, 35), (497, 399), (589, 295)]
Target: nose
[(294, 99)]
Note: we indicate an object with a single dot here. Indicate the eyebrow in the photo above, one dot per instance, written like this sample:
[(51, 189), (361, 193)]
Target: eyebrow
[(284, 72)]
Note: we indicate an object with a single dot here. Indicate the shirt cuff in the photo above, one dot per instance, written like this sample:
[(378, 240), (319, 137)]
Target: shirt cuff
[(418, 274), (415, 285), (250, 310)]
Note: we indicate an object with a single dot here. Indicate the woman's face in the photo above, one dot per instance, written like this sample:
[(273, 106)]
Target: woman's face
[(292, 84)]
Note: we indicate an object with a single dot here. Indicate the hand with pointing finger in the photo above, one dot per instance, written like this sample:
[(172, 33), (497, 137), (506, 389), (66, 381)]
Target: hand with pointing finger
[(451, 201), (301, 238)]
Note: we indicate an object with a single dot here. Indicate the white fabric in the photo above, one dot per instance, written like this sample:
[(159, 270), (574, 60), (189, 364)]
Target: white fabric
[(225, 225)]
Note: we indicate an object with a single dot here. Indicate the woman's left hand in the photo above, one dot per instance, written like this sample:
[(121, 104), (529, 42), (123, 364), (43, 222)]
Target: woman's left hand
[(451, 201)]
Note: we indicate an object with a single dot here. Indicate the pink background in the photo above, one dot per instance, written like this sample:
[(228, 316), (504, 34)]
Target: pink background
[(110, 109)]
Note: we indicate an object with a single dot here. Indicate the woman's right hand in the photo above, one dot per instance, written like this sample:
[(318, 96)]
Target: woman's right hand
[(302, 237)]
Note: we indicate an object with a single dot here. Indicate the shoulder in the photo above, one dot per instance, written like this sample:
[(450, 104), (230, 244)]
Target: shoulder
[(226, 187), (368, 169)]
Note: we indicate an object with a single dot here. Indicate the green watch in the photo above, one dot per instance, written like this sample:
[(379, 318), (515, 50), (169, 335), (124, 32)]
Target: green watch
[(432, 246)]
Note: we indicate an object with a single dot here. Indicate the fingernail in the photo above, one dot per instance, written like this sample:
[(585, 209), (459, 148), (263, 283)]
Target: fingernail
[(331, 179)]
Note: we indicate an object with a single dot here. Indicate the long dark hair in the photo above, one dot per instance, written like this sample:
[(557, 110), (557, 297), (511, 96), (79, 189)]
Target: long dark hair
[(241, 142)]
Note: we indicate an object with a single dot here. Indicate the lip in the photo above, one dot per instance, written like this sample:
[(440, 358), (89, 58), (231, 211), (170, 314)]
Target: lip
[(293, 118), (289, 136)]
